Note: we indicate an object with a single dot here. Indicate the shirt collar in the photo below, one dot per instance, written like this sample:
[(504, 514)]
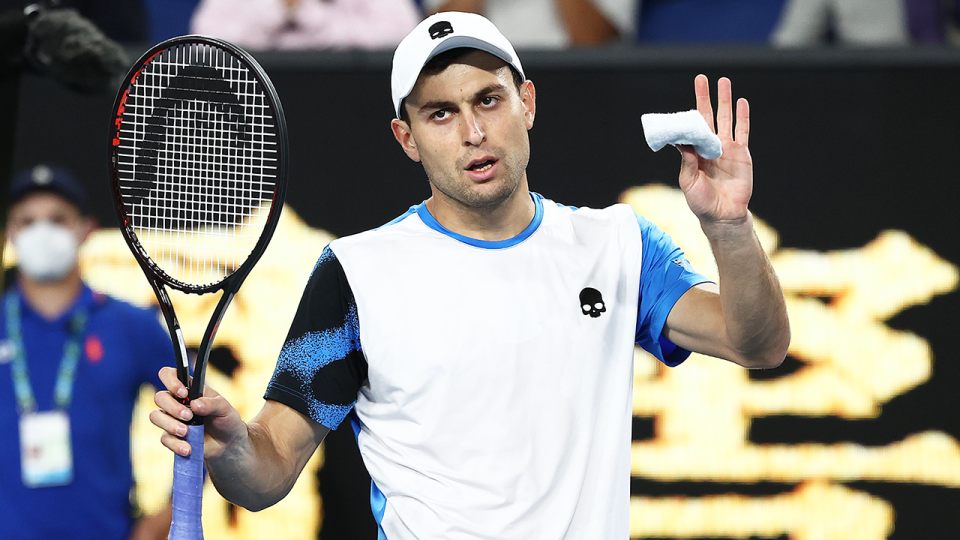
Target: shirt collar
[(431, 222)]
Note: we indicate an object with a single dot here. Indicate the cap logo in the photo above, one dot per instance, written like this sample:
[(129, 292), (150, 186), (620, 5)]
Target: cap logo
[(440, 29), (41, 175)]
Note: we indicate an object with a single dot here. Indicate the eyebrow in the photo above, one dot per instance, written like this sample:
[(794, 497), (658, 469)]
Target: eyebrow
[(485, 91)]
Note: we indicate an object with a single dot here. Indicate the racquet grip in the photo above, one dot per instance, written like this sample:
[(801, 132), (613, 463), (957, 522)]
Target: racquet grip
[(188, 489)]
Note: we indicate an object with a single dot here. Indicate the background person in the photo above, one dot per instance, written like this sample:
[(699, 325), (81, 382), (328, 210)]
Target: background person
[(307, 24), (71, 365), (728, 22), (859, 23)]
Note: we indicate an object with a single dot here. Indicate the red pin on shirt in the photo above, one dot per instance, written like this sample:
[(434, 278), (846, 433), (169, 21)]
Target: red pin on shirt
[(94, 349)]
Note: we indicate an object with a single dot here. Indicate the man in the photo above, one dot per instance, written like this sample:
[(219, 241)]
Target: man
[(71, 365), (482, 343)]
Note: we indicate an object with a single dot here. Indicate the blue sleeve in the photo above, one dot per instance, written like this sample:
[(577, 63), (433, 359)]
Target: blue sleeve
[(665, 274)]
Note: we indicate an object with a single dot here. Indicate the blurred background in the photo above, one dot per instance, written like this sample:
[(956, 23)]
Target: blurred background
[(855, 125)]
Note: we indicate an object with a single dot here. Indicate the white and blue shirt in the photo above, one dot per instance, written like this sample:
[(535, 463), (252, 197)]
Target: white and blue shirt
[(489, 383)]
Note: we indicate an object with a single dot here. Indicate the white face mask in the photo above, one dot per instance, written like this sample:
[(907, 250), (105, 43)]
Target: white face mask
[(46, 252)]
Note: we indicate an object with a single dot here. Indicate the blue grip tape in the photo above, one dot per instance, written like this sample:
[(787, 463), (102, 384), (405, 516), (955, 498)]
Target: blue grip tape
[(188, 489)]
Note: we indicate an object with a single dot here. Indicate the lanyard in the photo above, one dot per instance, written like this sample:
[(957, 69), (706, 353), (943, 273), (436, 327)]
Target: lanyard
[(63, 391)]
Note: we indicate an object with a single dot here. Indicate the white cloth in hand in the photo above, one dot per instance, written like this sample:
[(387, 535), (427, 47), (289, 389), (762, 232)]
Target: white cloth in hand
[(688, 127)]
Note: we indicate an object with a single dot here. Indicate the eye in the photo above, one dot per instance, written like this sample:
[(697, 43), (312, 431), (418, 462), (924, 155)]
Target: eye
[(64, 219), (489, 101), (441, 114)]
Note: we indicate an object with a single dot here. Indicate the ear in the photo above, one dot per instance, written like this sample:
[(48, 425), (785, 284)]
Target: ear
[(88, 224), (528, 95), (404, 136)]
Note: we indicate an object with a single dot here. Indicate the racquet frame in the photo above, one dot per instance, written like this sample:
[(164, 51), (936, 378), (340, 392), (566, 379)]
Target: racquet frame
[(156, 275), (188, 471)]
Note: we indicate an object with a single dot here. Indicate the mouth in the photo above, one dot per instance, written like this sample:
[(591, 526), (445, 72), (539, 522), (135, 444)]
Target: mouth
[(481, 165)]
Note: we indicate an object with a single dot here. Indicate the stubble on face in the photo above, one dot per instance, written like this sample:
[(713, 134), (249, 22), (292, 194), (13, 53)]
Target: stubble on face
[(512, 165), (446, 161)]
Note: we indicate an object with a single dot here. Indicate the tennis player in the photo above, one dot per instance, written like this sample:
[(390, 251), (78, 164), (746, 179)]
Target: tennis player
[(482, 343)]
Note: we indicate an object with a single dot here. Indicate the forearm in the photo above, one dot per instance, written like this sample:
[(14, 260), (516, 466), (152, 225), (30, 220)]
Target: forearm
[(585, 23), (470, 6), (251, 471), (751, 299), (259, 467)]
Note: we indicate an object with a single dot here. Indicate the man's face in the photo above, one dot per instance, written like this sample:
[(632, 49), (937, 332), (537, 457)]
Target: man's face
[(49, 207), (468, 126)]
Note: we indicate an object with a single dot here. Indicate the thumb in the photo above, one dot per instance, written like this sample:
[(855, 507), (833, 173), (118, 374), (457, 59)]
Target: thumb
[(211, 404), (222, 420)]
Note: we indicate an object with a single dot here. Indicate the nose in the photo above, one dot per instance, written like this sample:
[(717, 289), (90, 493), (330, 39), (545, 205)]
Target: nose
[(473, 134)]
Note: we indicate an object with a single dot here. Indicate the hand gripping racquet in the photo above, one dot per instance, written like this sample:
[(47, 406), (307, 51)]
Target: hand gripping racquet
[(198, 151)]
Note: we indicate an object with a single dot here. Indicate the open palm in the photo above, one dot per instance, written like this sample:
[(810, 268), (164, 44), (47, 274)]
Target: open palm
[(718, 190)]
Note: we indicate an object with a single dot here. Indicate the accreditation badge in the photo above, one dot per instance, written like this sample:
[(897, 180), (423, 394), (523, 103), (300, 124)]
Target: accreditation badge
[(46, 457)]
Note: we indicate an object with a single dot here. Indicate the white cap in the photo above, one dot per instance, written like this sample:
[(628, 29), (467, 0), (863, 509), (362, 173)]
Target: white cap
[(441, 32)]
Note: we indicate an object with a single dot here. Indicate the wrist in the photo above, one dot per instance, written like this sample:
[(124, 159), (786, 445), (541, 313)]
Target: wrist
[(229, 450), (728, 229)]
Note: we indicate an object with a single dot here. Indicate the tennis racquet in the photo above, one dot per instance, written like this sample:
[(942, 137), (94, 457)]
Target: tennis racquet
[(198, 152)]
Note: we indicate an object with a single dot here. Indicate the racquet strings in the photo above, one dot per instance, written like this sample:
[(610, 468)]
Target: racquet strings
[(197, 162)]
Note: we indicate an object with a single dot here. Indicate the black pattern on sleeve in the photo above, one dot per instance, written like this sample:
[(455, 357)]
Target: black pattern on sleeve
[(321, 366)]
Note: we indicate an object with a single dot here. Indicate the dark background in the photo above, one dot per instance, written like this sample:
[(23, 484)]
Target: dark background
[(845, 144)]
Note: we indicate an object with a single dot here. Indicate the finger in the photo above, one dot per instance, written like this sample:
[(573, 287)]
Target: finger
[(167, 423), (175, 444), (702, 88), (210, 392), (172, 406), (211, 403), (168, 376), (689, 165), (211, 406), (724, 109), (743, 122)]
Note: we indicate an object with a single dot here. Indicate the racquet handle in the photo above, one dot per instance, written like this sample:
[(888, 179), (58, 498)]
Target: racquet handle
[(188, 489)]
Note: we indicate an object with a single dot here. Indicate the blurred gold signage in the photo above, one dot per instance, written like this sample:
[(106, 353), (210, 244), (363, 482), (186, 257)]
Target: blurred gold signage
[(852, 364)]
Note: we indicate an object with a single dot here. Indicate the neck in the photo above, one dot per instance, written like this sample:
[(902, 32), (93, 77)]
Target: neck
[(51, 299), (500, 222)]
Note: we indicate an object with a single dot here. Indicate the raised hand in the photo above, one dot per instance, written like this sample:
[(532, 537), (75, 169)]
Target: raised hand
[(718, 190)]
